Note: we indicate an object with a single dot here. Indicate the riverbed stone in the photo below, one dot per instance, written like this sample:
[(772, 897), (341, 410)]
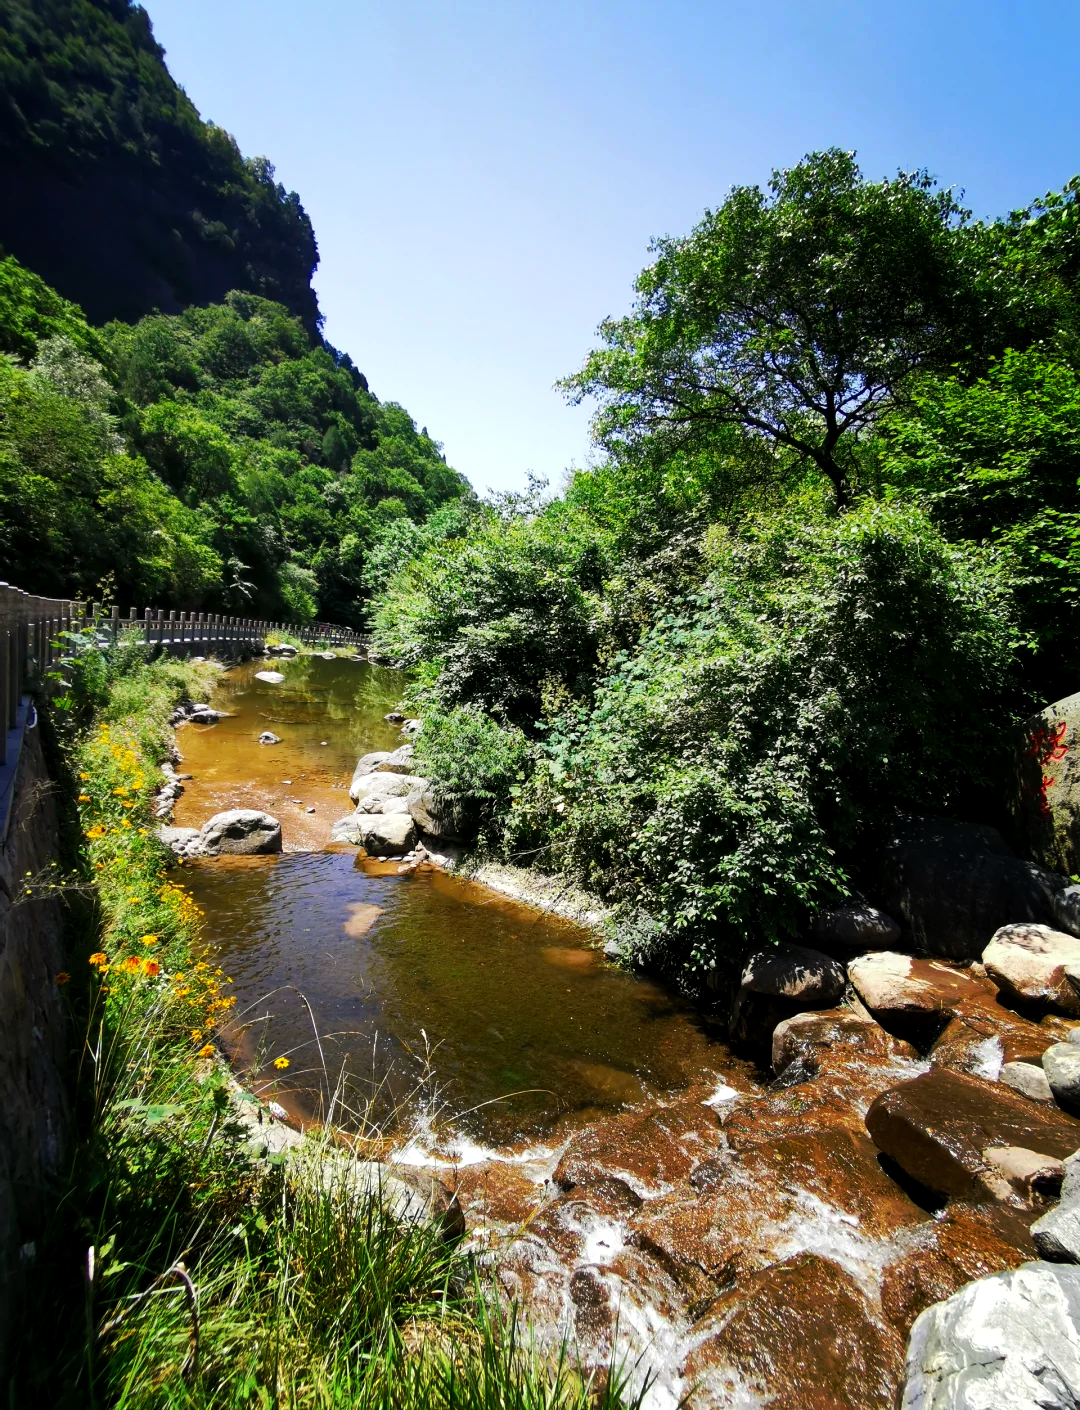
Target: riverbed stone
[(1007, 1342), (1027, 1079), (914, 998), (800, 1333), (374, 790), (397, 762), (823, 1037), (448, 819), (1061, 1063), (952, 885), (270, 677), (269, 737), (1057, 1233), (240, 832), (778, 982), (858, 927), (939, 1126), (184, 841), (365, 766), (1030, 965), (380, 834)]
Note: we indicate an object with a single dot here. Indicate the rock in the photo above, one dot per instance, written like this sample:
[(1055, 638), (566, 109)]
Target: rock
[(1027, 1079), (952, 885), (803, 1334), (815, 1039), (394, 717), (184, 841), (777, 983), (450, 820), (269, 737), (399, 762), (412, 728), (378, 833), (1057, 1234), (1028, 1174), (241, 832), (270, 677), (857, 927), (913, 998), (1028, 963), (371, 791), (328, 655), (1008, 1342), (394, 805), (940, 1126), (1047, 804), (1061, 1063), (366, 765)]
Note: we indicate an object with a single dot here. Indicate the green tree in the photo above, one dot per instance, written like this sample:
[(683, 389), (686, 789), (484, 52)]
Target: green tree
[(792, 315)]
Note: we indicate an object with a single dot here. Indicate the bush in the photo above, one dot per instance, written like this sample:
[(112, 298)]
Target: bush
[(827, 674), (474, 763)]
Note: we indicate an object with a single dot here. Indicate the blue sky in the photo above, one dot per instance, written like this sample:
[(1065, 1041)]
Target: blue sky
[(484, 179)]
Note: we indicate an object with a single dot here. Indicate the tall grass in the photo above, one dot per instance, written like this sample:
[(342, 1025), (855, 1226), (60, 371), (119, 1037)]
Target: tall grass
[(179, 1270)]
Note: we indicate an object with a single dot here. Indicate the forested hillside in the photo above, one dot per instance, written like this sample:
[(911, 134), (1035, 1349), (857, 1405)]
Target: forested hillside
[(115, 190), (214, 458), (828, 555)]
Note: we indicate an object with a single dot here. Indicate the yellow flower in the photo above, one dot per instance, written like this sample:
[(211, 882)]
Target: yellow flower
[(207, 1050), (281, 1063), (84, 777), (151, 968), (62, 978), (93, 833), (99, 957), (84, 798), (120, 792), (179, 977), (124, 822), (150, 939), (132, 963)]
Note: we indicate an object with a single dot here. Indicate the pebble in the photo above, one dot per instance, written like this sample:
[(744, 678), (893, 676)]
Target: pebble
[(309, 810)]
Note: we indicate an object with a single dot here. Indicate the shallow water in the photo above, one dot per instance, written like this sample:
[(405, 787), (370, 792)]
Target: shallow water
[(423, 988)]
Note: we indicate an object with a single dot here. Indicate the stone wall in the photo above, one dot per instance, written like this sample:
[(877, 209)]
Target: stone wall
[(34, 1107)]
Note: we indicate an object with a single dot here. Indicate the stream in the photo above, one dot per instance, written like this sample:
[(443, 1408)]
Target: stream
[(636, 1186)]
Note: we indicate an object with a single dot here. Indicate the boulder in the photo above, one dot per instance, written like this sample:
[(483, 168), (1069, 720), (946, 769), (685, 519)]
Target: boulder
[(1027, 1079), (411, 728), (452, 820), (778, 983), (372, 790), (1061, 1063), (366, 765), (240, 832), (379, 834), (1057, 1233), (399, 762), (394, 717), (817, 1039), (1008, 1342), (940, 1126), (952, 885), (1047, 800), (914, 998), (1030, 963), (269, 737), (270, 677), (856, 927)]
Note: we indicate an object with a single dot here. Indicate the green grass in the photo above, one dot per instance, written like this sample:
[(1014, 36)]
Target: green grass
[(178, 1271)]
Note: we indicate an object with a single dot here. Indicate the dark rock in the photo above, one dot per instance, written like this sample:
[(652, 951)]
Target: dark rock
[(1030, 964), (394, 717), (1047, 804), (1008, 1342), (952, 885), (777, 983), (856, 927), (940, 1126), (241, 832), (451, 819)]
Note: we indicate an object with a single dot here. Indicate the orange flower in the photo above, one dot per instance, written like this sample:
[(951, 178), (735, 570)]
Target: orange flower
[(151, 968), (207, 1050), (132, 963), (99, 957), (281, 1063), (62, 978), (84, 798)]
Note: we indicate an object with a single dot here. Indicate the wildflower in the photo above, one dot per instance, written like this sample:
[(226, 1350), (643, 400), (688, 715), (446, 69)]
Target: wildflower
[(93, 833), (120, 792), (150, 939), (179, 977), (196, 1035), (62, 978), (281, 1063), (84, 798), (124, 822), (84, 777), (99, 957), (132, 963), (151, 968), (207, 1050)]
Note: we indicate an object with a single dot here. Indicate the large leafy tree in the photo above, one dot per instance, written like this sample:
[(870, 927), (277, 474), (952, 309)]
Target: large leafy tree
[(792, 314)]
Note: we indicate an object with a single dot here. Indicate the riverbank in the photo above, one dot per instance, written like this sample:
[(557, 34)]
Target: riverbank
[(182, 1266)]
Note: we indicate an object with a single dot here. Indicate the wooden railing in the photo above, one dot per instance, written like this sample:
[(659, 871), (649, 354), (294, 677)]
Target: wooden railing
[(32, 640)]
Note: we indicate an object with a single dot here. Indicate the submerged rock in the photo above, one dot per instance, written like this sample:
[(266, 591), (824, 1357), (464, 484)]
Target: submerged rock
[(240, 832), (940, 1127), (270, 677), (1032, 963), (1008, 1342)]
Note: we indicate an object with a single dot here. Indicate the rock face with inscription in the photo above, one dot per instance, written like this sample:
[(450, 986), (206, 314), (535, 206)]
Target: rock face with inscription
[(1047, 802)]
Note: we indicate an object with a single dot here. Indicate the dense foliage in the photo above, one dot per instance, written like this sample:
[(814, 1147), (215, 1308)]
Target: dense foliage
[(115, 190), (214, 458), (828, 552)]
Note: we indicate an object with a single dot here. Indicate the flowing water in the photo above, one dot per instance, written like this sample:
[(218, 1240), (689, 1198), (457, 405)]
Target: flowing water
[(421, 987)]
